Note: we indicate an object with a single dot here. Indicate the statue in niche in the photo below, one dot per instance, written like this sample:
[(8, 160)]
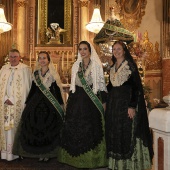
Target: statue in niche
[(53, 33)]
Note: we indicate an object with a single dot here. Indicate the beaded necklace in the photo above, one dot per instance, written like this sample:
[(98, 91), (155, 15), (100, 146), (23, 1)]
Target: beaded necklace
[(84, 69)]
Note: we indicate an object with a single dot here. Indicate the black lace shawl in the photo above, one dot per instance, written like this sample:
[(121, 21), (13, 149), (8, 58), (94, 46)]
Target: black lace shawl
[(142, 129)]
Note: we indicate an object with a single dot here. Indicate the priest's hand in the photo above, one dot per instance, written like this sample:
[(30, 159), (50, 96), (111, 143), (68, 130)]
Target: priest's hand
[(8, 102)]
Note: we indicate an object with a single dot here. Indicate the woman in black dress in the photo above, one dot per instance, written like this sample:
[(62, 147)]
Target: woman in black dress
[(128, 138), (38, 134), (83, 136)]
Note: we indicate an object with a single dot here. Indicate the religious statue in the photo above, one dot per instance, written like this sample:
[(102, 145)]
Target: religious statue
[(53, 33)]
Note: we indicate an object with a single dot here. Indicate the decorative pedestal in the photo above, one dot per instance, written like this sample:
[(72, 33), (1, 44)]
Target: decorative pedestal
[(159, 121)]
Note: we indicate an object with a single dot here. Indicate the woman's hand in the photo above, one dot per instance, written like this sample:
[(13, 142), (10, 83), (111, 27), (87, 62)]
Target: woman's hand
[(131, 113), (104, 106)]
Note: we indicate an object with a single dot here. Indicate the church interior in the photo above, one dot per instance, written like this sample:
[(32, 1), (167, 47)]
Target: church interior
[(57, 26)]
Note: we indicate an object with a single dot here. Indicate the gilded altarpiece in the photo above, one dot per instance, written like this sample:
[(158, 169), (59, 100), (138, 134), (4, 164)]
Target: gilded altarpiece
[(63, 54), (42, 22), (151, 62)]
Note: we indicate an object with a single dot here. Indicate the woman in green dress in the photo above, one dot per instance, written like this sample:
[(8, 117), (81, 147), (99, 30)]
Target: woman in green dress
[(128, 137), (83, 136), (38, 134)]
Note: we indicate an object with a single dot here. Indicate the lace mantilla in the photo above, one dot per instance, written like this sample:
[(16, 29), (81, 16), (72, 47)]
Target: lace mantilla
[(96, 72), (53, 74), (121, 76), (47, 80)]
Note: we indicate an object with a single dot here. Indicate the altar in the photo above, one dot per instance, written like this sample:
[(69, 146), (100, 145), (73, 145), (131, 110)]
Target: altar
[(159, 121)]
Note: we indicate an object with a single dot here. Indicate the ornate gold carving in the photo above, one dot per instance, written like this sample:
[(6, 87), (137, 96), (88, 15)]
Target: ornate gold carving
[(84, 3), (145, 52), (75, 23), (153, 59), (42, 21), (31, 24), (21, 4), (131, 13), (67, 19), (31, 31)]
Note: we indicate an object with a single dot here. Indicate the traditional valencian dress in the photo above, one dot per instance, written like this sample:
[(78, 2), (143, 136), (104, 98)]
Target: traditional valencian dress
[(83, 136), (38, 134), (15, 83), (129, 142)]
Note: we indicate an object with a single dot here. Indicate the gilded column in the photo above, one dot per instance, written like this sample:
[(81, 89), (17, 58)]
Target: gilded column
[(84, 19), (166, 47), (21, 27)]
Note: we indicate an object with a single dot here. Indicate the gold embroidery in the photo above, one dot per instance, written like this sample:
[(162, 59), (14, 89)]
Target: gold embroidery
[(11, 118), (2, 135)]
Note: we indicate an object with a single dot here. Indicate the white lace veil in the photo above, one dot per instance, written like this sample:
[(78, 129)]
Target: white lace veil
[(53, 72), (96, 72)]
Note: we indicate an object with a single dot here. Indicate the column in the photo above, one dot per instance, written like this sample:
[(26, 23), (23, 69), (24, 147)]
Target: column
[(159, 121), (84, 19), (166, 47), (21, 27)]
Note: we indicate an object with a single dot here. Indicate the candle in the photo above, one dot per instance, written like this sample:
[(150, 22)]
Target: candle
[(72, 59), (62, 62), (36, 55), (67, 60), (30, 58)]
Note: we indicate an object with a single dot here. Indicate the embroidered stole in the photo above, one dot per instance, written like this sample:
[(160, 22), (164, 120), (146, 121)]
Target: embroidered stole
[(49, 95), (90, 93)]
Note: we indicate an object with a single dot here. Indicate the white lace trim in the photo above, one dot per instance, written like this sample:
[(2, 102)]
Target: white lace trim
[(54, 74), (121, 76), (87, 77), (47, 80), (96, 72)]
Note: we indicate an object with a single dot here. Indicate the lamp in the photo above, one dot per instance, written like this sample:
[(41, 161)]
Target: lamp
[(4, 25), (96, 23)]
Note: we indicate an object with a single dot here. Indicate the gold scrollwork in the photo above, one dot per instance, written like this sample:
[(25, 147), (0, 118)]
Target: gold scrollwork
[(42, 20), (21, 3), (84, 3), (67, 21), (131, 13)]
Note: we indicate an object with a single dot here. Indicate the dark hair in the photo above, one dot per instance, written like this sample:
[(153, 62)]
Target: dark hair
[(44, 52), (14, 50), (85, 42), (127, 53)]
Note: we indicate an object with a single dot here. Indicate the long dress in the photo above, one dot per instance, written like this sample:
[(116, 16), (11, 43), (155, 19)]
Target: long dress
[(83, 136), (38, 134), (129, 142), (15, 83)]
